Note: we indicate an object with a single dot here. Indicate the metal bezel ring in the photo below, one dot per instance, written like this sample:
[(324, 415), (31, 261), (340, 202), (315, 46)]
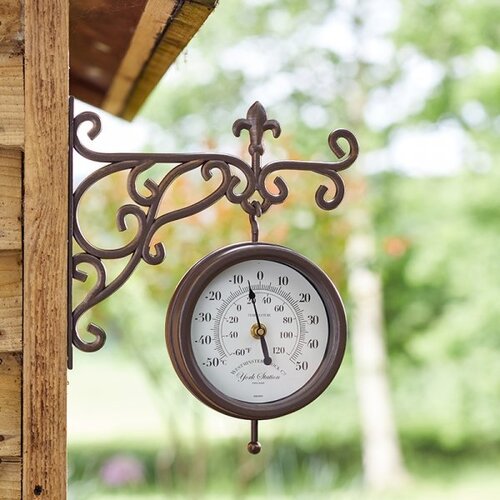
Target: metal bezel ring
[(178, 330)]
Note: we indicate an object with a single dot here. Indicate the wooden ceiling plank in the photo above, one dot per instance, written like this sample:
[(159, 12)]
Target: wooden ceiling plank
[(151, 25), (100, 34), (181, 29)]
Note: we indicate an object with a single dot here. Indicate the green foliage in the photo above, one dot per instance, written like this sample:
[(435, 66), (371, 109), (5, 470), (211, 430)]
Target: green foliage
[(285, 470), (281, 460), (441, 287)]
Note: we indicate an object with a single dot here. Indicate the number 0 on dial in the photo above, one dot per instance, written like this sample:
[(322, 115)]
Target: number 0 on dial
[(256, 330)]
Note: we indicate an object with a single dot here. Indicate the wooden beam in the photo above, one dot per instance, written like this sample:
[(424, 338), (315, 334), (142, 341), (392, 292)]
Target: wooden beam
[(155, 16), (146, 63), (45, 252)]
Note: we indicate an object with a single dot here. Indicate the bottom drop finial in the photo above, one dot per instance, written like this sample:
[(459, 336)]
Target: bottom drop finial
[(254, 446)]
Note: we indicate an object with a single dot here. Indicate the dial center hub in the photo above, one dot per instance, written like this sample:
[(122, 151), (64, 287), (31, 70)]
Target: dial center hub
[(258, 331)]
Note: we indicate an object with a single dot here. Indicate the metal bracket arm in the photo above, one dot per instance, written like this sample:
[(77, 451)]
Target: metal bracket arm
[(255, 199)]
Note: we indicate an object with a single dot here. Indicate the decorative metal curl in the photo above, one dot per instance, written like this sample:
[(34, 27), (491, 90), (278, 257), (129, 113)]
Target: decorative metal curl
[(145, 208)]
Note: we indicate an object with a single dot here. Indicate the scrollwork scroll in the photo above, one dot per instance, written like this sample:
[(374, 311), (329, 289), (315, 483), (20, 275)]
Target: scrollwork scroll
[(145, 208)]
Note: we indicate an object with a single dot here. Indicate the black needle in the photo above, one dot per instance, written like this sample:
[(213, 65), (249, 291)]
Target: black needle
[(263, 343), (265, 351), (251, 296)]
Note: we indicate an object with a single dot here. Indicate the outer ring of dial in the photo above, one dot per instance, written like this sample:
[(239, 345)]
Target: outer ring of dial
[(178, 330)]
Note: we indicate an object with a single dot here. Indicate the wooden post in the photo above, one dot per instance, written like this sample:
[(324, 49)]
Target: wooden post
[(45, 249), (33, 119)]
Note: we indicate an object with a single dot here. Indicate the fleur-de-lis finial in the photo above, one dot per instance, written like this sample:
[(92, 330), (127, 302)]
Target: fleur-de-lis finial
[(256, 123)]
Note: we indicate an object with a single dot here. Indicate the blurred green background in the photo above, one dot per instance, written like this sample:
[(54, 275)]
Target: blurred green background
[(414, 412)]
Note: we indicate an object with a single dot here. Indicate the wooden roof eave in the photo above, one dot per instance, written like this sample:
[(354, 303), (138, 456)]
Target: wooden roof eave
[(163, 30)]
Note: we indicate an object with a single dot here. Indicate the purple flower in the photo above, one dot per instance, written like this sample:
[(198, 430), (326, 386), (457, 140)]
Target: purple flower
[(122, 470)]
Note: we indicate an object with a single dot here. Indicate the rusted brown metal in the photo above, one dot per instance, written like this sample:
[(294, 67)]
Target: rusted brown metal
[(69, 277), (255, 199)]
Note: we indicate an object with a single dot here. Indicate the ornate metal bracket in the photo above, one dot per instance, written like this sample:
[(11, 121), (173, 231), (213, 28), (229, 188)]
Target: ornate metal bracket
[(255, 199)]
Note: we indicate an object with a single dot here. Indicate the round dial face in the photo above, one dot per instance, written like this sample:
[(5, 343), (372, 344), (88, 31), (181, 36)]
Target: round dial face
[(259, 331), (256, 330)]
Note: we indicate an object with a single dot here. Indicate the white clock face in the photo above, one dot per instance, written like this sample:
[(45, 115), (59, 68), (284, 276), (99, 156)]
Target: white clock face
[(259, 331)]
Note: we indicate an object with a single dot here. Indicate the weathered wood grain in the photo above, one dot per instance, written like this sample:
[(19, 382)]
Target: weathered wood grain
[(10, 404), (11, 99), (10, 479), (152, 23), (11, 30), (11, 74), (10, 302), (180, 29), (10, 199), (45, 253)]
